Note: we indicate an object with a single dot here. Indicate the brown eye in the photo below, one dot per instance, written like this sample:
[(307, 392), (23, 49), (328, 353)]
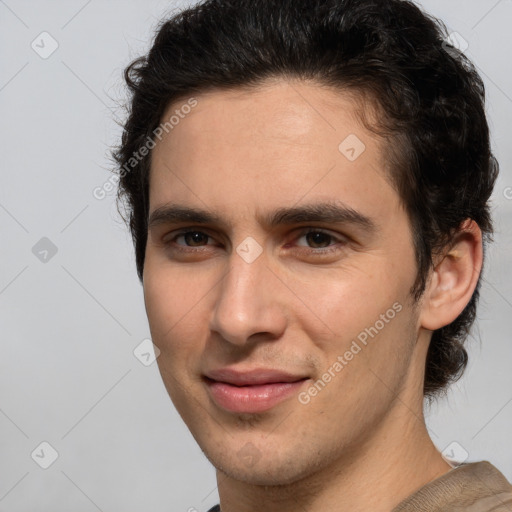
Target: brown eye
[(194, 238), (316, 238)]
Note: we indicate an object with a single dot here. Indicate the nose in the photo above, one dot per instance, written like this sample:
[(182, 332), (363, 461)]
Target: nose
[(249, 304)]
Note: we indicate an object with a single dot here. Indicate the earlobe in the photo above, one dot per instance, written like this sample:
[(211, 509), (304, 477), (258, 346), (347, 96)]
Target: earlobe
[(454, 278)]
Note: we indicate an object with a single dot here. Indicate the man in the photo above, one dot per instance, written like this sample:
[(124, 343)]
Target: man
[(307, 187)]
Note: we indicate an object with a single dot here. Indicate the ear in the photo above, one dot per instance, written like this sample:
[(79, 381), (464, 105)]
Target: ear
[(454, 278)]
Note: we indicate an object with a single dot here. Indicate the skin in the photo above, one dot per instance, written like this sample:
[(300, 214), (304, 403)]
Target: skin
[(361, 443)]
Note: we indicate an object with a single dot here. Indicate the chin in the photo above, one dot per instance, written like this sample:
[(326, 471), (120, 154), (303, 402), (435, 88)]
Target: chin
[(265, 469)]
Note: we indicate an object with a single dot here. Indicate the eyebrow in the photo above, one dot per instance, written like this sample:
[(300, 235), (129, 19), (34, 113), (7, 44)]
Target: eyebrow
[(326, 212)]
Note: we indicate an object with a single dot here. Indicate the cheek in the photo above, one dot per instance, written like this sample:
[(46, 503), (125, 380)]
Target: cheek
[(174, 315), (363, 368), (173, 306), (346, 300), (365, 320), (170, 290)]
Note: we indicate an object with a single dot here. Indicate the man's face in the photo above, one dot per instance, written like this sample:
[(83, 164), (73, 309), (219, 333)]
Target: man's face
[(330, 308)]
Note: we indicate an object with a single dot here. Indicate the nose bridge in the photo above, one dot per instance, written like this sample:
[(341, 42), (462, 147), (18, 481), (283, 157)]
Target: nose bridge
[(247, 303)]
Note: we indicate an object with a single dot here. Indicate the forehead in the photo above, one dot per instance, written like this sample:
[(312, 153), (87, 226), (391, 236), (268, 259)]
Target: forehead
[(276, 143), (275, 111)]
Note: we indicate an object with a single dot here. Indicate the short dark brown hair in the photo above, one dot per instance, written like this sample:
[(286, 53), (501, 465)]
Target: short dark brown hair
[(388, 52)]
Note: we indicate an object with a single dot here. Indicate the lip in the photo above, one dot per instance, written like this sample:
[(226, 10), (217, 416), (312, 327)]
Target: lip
[(252, 377), (251, 391)]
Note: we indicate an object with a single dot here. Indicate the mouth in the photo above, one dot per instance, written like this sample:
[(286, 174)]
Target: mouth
[(252, 391)]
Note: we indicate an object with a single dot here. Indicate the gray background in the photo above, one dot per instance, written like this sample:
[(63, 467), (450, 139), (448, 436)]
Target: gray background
[(70, 324)]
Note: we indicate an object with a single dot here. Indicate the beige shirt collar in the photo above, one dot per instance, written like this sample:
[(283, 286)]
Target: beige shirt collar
[(472, 487)]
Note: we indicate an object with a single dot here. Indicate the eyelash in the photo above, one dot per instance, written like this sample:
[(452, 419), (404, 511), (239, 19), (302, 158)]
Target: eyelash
[(319, 252)]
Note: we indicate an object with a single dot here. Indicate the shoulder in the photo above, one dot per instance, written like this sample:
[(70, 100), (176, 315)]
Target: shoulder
[(472, 487)]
